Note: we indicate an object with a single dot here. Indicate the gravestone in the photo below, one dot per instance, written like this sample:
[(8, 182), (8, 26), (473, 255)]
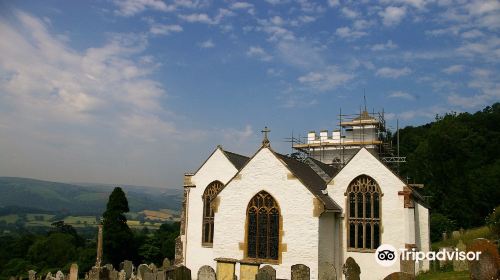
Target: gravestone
[(141, 270), (113, 275), (161, 275), (455, 234), (460, 265), (122, 275), (49, 276), (59, 275), (153, 268), (149, 275), (443, 263), (32, 275), (128, 267), (206, 273), (178, 273), (488, 265), (330, 273), (166, 263), (399, 276), (267, 272), (300, 272), (351, 269), (73, 272)]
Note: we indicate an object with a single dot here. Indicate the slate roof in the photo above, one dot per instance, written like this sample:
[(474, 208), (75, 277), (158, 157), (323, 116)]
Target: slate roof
[(236, 159), (311, 180), (328, 169)]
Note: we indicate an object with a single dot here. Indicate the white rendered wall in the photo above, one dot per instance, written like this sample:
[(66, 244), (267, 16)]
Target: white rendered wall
[(266, 172), (217, 167), (392, 209), (422, 232), (326, 253)]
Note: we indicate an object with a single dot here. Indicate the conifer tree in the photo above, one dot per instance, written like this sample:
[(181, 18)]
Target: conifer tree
[(118, 239)]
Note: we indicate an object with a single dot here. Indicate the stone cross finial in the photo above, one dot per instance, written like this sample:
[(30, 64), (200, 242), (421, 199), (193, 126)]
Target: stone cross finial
[(265, 141)]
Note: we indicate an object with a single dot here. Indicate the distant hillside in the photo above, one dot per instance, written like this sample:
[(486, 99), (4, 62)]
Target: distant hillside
[(80, 198)]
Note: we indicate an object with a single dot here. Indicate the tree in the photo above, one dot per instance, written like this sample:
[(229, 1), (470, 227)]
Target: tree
[(118, 239)]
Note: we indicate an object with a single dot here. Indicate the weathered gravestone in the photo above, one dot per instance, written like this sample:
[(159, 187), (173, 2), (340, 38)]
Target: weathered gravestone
[(488, 265), (59, 275), (32, 275), (460, 265), (166, 263), (122, 275), (351, 269), (447, 262), (400, 276), (300, 272), (113, 275), (49, 276), (73, 272), (178, 273), (330, 273), (153, 268), (267, 272), (149, 275), (206, 273), (141, 270), (161, 275), (128, 267)]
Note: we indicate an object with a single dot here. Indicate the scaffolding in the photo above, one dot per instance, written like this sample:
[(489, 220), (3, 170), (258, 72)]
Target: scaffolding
[(354, 131)]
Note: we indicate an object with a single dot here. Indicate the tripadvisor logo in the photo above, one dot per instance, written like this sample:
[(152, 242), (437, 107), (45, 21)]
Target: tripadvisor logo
[(386, 255)]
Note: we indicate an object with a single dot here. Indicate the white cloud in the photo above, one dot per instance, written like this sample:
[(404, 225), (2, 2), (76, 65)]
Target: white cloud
[(402, 95), (205, 18), (453, 69), (349, 34), (165, 29), (484, 89), (207, 44), (472, 34), (392, 15), (419, 4), (258, 52), (328, 79), (349, 13), (383, 47), (273, 72), (243, 6), (333, 3), (132, 7), (388, 72)]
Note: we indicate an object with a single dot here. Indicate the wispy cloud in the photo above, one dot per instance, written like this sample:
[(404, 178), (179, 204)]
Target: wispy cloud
[(165, 29), (457, 68), (207, 44), (388, 72), (331, 78), (258, 52), (384, 47), (402, 95), (392, 15)]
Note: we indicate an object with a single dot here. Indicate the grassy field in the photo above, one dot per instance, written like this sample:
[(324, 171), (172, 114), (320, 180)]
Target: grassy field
[(45, 220), (449, 275)]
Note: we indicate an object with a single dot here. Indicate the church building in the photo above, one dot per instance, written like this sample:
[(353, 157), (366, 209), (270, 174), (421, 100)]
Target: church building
[(340, 199)]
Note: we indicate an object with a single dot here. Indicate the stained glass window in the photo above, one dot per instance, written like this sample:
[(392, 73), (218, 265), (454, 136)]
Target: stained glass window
[(263, 216), (208, 213), (363, 217)]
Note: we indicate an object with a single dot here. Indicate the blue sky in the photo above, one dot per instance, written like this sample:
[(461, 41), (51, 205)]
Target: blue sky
[(140, 92)]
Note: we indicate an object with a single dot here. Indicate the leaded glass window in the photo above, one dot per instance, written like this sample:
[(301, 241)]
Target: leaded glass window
[(363, 217), (208, 213), (263, 225)]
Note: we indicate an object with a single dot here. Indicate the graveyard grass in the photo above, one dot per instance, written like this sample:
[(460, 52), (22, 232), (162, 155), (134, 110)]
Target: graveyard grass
[(467, 237)]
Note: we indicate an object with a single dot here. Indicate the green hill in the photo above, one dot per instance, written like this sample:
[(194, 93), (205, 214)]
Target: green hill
[(457, 157), (79, 198)]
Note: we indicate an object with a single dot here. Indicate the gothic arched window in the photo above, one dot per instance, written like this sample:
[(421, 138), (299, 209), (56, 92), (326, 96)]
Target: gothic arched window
[(363, 214), (208, 213), (263, 227)]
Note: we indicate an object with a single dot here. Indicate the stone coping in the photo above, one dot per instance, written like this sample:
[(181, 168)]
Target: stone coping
[(226, 260)]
